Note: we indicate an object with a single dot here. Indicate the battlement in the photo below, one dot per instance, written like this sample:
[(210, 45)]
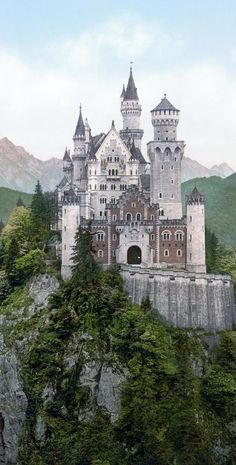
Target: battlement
[(184, 299)]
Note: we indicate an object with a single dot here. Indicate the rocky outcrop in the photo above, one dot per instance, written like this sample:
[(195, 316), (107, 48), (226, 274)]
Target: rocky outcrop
[(13, 404), (13, 401), (105, 383), (41, 287)]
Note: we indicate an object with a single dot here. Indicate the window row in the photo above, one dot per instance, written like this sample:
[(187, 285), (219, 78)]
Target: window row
[(115, 159), (166, 235), (130, 217), (112, 172), (178, 253)]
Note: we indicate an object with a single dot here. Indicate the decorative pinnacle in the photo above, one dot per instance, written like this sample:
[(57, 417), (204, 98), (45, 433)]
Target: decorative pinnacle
[(113, 123)]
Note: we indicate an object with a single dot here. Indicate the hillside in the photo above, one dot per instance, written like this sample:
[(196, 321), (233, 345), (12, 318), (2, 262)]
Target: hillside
[(220, 205), (8, 199)]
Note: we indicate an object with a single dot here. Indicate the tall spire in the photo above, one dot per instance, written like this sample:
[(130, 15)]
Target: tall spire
[(80, 129), (131, 90)]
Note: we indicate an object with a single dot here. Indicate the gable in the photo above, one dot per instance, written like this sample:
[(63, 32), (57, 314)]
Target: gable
[(113, 146)]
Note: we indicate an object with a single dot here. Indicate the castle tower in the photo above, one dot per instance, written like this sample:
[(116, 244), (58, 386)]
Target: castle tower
[(79, 156), (67, 164), (196, 260), (87, 134), (166, 153), (131, 112)]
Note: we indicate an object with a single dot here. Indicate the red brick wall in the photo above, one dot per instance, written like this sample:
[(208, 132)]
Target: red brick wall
[(172, 245)]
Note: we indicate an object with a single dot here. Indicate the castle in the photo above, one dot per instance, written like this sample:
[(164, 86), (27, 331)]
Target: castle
[(135, 209)]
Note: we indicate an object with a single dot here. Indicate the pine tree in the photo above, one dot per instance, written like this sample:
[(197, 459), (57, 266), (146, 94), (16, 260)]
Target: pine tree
[(85, 268), (212, 249), (40, 216), (20, 202)]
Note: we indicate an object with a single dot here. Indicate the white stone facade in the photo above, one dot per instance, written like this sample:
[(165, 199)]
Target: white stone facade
[(136, 217)]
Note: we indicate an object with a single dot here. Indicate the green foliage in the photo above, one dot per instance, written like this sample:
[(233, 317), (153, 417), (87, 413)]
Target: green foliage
[(212, 250), (85, 269), (40, 217), (8, 201), (169, 414), (31, 263), (220, 199)]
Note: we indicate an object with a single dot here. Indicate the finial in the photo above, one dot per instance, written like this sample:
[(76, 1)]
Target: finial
[(113, 123), (131, 66), (80, 107), (164, 95)]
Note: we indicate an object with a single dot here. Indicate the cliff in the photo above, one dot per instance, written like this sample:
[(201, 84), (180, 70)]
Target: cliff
[(89, 378)]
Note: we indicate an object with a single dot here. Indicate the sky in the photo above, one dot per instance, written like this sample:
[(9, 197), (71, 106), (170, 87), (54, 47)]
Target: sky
[(56, 54)]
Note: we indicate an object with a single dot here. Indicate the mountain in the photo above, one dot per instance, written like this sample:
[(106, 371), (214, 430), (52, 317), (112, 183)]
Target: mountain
[(223, 170), (192, 169), (20, 170), (220, 204)]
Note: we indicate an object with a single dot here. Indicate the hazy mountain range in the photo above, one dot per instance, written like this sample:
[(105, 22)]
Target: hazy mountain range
[(20, 170)]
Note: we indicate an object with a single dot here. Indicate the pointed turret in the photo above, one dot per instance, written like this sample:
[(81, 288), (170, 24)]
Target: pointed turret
[(122, 93), (131, 112), (80, 128), (131, 90), (67, 155)]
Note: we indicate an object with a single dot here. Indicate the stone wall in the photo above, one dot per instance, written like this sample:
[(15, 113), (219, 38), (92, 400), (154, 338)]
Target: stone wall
[(187, 300)]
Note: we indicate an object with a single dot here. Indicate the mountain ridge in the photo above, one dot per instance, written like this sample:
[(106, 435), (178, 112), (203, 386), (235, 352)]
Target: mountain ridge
[(20, 169)]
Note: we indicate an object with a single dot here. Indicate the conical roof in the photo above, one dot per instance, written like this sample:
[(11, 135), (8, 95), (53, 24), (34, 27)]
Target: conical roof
[(195, 194), (136, 154), (80, 129), (131, 90), (92, 150), (123, 92), (67, 155), (165, 105)]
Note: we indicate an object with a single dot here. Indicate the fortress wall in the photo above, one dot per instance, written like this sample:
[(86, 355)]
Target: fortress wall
[(187, 300)]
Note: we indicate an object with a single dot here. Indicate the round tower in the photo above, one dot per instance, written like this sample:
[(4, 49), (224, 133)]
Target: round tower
[(196, 259), (79, 156), (165, 119), (131, 113), (166, 154)]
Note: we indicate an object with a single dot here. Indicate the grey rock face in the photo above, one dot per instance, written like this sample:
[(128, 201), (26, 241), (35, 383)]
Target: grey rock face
[(105, 384), (41, 288), (40, 430), (13, 404), (109, 390)]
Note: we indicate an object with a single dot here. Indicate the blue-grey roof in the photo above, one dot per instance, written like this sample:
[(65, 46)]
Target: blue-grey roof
[(80, 129), (136, 154), (131, 91), (165, 105)]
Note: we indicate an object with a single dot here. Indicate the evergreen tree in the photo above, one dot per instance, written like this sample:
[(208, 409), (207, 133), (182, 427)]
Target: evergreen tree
[(85, 268), (1, 225), (212, 250), (20, 202), (40, 216)]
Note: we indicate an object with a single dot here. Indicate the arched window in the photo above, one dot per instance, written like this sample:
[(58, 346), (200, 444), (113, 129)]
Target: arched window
[(166, 253), (129, 217), (138, 217), (160, 195), (90, 171), (109, 172), (179, 235), (100, 253), (179, 253), (116, 172), (161, 212), (113, 172), (100, 236), (152, 217), (166, 235)]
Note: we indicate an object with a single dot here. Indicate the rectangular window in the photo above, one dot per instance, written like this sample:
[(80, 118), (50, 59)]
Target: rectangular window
[(64, 228), (114, 237), (100, 213), (64, 247), (190, 219), (114, 218)]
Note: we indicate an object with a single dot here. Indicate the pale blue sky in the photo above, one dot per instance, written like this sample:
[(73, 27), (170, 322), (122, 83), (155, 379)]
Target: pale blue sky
[(55, 53)]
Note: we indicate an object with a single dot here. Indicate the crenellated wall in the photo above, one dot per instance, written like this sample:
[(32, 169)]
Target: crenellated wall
[(187, 300)]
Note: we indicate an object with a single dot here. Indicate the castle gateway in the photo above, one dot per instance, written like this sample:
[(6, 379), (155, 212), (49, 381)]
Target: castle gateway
[(135, 205)]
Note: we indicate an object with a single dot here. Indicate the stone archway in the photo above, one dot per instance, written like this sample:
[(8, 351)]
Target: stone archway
[(134, 255)]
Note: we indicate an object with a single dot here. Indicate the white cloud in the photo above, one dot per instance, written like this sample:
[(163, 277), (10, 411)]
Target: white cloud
[(39, 100)]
